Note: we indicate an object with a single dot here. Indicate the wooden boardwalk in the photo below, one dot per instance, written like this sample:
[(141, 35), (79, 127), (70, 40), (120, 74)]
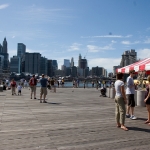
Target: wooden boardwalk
[(79, 120)]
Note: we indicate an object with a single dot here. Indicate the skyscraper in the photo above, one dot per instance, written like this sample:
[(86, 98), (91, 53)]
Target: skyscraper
[(21, 49), (1, 48), (1, 63), (49, 68), (72, 62), (43, 65), (79, 64), (54, 64), (3, 52), (32, 62), (4, 46), (67, 62), (15, 64)]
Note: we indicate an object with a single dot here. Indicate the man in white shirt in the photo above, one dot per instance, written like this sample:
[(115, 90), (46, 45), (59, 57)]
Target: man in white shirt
[(130, 90)]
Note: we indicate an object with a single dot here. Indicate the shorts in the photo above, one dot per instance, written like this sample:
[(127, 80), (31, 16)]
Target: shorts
[(131, 101), (19, 91), (33, 88), (44, 90)]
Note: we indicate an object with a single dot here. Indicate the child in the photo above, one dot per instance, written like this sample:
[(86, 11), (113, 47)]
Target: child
[(19, 87)]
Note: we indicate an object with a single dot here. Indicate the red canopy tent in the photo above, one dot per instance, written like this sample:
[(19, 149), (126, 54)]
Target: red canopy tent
[(142, 65)]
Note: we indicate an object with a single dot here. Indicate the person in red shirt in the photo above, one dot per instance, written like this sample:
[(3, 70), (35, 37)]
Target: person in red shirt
[(13, 86), (32, 83)]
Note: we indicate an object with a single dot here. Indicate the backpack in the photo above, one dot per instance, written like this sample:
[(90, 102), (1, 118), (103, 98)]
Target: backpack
[(32, 81), (13, 84)]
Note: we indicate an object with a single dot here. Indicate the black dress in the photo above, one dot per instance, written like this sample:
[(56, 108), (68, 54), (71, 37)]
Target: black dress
[(147, 91)]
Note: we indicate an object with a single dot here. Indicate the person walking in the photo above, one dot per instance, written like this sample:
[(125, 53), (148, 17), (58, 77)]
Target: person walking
[(19, 87), (84, 84), (73, 83), (147, 100), (120, 100), (130, 90), (53, 85), (13, 86), (43, 93), (32, 83)]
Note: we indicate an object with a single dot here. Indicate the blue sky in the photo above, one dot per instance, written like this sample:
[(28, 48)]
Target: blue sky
[(100, 30)]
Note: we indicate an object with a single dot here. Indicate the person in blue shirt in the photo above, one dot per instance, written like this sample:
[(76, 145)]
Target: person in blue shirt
[(43, 82)]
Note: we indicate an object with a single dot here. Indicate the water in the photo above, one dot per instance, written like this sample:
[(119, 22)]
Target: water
[(81, 85)]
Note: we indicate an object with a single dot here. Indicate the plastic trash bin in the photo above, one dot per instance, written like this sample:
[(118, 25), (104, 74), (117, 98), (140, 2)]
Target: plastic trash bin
[(112, 93), (140, 98), (108, 92), (1, 88)]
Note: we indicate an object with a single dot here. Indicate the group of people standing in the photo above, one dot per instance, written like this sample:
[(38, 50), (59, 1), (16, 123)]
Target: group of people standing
[(126, 96)]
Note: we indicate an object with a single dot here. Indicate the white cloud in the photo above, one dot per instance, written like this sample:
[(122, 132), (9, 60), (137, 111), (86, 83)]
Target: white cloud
[(147, 41), (13, 36), (148, 29), (107, 36), (143, 53), (40, 15), (129, 43), (113, 41), (4, 6), (74, 47), (93, 48), (104, 62)]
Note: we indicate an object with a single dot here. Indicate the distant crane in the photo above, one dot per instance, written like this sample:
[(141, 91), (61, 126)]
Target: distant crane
[(86, 54)]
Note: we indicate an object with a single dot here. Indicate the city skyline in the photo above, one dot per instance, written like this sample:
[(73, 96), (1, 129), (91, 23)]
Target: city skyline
[(100, 31)]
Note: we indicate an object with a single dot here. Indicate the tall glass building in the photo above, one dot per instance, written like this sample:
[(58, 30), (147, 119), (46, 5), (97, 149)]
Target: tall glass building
[(15, 64), (55, 65), (21, 49), (1, 63), (32, 63), (67, 62), (43, 66)]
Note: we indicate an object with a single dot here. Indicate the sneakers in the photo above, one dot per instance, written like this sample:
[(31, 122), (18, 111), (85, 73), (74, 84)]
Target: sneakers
[(133, 117), (127, 115)]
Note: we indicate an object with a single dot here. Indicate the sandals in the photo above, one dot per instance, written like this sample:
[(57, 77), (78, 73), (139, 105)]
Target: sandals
[(147, 122), (118, 126), (124, 128)]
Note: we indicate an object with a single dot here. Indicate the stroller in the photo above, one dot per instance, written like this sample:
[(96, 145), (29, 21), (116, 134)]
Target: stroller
[(103, 92)]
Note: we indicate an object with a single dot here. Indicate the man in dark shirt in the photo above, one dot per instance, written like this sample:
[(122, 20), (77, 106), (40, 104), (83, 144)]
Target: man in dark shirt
[(43, 82)]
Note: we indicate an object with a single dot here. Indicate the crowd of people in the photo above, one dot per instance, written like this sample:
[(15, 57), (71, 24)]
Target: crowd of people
[(124, 95)]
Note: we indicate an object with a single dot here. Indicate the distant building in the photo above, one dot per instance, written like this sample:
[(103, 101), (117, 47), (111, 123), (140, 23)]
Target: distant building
[(115, 68), (6, 61), (67, 71), (1, 63), (32, 62), (72, 62), (59, 73), (4, 50), (73, 71), (21, 49), (55, 64), (67, 62), (110, 75), (98, 71), (86, 71), (49, 68), (15, 64), (79, 60), (128, 57), (1, 48), (43, 66)]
